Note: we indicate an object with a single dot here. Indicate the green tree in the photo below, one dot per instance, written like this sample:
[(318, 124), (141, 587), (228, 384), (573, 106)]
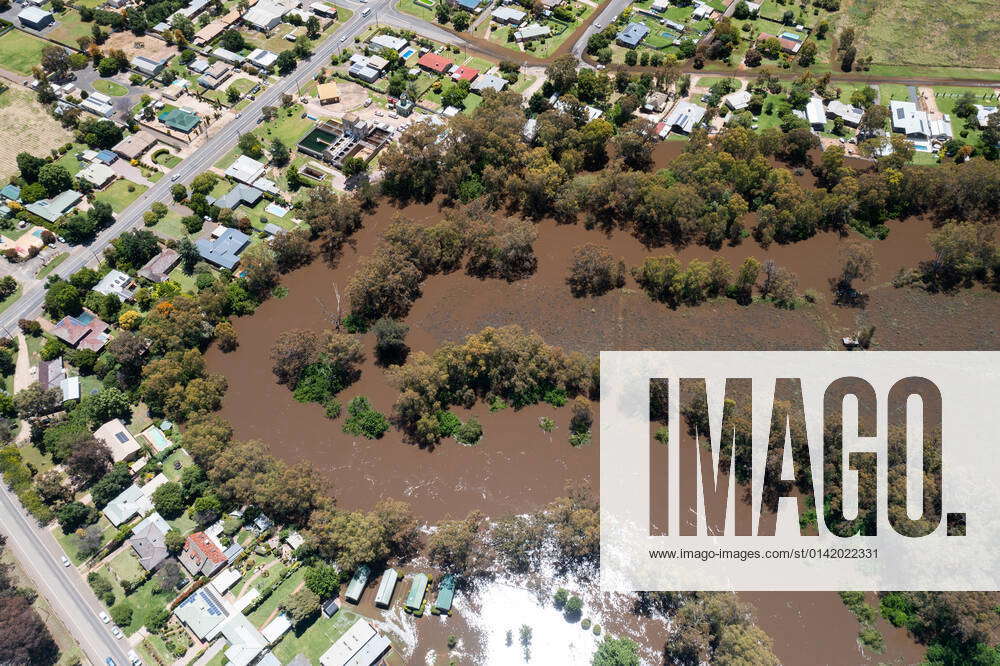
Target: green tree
[(63, 299), (616, 652), (55, 179), (169, 500), (323, 580)]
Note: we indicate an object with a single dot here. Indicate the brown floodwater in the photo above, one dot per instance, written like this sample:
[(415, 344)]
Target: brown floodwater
[(517, 467)]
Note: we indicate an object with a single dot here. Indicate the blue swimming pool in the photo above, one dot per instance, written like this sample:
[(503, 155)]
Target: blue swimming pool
[(407, 53), (157, 438), (668, 35), (37, 233), (85, 318)]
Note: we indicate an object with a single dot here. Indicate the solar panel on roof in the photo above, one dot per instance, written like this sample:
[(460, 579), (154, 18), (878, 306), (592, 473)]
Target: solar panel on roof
[(121, 437)]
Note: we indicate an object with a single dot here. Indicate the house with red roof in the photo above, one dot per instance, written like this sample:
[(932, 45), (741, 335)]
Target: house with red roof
[(201, 555), (84, 331), (465, 73), (432, 62)]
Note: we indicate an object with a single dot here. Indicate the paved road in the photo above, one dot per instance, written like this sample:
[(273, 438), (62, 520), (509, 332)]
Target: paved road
[(64, 588)]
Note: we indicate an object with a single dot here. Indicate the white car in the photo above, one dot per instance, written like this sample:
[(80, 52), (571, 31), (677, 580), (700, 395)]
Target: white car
[(134, 658), (104, 617), (597, 24), (175, 177), (117, 633), (65, 561)]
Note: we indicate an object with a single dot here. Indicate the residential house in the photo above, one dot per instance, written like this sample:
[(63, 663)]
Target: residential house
[(851, 115), (227, 56), (265, 16), (172, 92), (367, 68), (51, 373), (485, 82), (508, 15), (158, 268), (390, 42), (983, 114), (659, 5), (245, 170), (655, 102), (246, 643), (434, 63), (35, 18), (702, 11), (134, 145), (464, 73), (130, 502), (199, 65), (469, 5), (632, 35), (919, 125), (181, 120), (119, 440), (148, 66), (215, 75), (531, 32), (225, 250), (684, 117), (201, 555), (99, 104), (324, 9), (149, 541), (239, 195), (120, 284), (360, 645), (52, 209), (738, 100), (328, 93), (10, 192), (84, 331), (815, 113), (276, 628), (262, 59), (225, 580), (70, 387), (97, 174), (203, 613)]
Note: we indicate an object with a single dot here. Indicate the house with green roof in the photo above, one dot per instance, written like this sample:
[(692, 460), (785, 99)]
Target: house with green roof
[(418, 588), (446, 594), (180, 120), (52, 209)]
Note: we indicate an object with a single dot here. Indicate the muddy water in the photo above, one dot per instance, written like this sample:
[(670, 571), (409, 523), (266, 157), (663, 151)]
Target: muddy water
[(517, 467)]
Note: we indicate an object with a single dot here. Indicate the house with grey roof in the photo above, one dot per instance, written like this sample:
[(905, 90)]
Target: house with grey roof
[(52, 209), (684, 117), (262, 59), (120, 284), (390, 42), (148, 66), (245, 170), (35, 18), (130, 503), (488, 82), (227, 56), (158, 268), (240, 195), (203, 613), (509, 15), (225, 250), (532, 31), (632, 35), (149, 540)]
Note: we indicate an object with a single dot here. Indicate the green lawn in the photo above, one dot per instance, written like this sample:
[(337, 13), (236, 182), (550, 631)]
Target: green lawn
[(183, 524), (144, 601), (277, 597), (316, 638), (164, 157), (125, 565), (171, 226), (68, 541), (109, 87), (119, 196), (69, 27), (52, 265), (41, 461), (10, 300), (287, 126), (241, 85), (187, 283), (415, 9), (19, 51)]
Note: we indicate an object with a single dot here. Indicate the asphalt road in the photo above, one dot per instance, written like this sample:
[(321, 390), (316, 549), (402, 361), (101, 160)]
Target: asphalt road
[(64, 588)]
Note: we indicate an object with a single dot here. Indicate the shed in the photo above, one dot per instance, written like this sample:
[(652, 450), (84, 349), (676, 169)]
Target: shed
[(385, 589), (446, 593), (417, 590), (331, 608), (357, 585), (35, 18)]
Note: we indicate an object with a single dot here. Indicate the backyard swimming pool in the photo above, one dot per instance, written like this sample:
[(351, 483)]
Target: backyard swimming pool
[(407, 53)]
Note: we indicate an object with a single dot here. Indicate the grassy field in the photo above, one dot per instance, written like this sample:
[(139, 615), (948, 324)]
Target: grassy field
[(118, 194), (111, 88), (165, 158), (416, 9), (264, 611), (68, 541), (170, 226), (52, 265), (10, 300), (315, 639), (19, 51), (241, 85), (69, 27), (25, 125), (927, 32)]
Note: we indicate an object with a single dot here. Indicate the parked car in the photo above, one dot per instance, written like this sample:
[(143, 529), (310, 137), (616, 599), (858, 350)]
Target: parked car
[(65, 561), (104, 617), (110, 662), (116, 632), (134, 658)]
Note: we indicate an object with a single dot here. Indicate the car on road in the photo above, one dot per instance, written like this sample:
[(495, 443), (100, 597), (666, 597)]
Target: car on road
[(343, 39), (65, 561), (61, 239), (110, 662), (597, 24), (104, 617), (175, 177), (238, 115), (367, 11)]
